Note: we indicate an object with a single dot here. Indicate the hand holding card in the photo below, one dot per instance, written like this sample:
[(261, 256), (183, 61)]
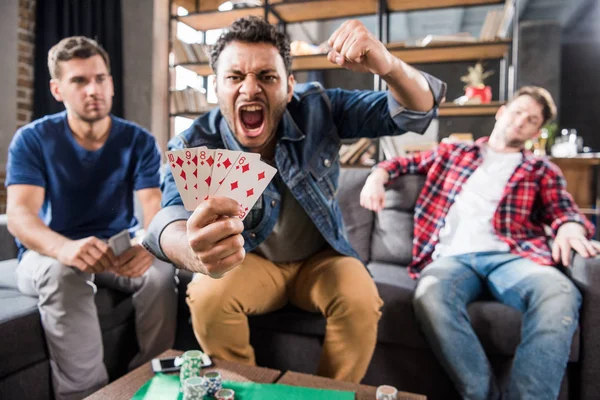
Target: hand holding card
[(246, 182), (184, 167), (214, 235), (200, 173), (120, 242)]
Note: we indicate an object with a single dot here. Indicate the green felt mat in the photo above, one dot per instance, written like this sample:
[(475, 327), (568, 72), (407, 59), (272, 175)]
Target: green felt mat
[(166, 387)]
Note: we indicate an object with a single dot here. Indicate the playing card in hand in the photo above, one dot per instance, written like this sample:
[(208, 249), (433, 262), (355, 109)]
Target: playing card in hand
[(206, 162), (246, 181), (201, 172), (120, 242), (184, 167), (224, 160)]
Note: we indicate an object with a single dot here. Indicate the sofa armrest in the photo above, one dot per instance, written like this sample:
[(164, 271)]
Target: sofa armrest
[(358, 221), (8, 247), (585, 273)]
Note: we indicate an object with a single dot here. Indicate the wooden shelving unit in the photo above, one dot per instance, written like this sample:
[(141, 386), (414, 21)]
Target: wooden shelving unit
[(453, 110), (413, 5), (216, 19), (207, 17), (446, 110), (203, 15), (411, 55)]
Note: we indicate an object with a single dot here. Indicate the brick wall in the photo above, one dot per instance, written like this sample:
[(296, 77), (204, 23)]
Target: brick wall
[(25, 59), (25, 46)]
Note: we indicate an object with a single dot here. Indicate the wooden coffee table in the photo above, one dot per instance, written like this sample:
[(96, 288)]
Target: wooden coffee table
[(125, 387), (363, 392)]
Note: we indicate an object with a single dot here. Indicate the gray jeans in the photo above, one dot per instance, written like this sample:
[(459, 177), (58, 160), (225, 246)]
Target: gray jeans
[(70, 319)]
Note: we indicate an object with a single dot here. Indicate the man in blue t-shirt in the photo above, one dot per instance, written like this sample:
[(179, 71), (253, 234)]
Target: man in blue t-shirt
[(71, 178)]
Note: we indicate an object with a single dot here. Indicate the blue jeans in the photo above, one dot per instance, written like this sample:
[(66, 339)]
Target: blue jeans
[(548, 300)]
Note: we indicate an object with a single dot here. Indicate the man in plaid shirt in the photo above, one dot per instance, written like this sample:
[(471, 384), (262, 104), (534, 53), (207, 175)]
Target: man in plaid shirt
[(479, 228)]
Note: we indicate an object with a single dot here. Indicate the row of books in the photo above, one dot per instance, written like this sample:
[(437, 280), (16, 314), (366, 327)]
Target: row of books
[(461, 37), (361, 152), (495, 26), (189, 101), (190, 52), (498, 22)]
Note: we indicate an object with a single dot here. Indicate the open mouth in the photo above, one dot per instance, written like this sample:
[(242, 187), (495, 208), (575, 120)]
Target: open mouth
[(252, 118)]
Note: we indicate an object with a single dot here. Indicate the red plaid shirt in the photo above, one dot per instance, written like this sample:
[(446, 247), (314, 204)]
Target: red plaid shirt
[(535, 196)]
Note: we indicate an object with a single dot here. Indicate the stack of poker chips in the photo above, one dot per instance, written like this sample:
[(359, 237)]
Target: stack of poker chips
[(194, 388), (225, 394), (386, 392), (214, 382), (191, 365)]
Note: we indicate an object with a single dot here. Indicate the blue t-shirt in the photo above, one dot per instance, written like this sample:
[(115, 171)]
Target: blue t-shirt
[(87, 193)]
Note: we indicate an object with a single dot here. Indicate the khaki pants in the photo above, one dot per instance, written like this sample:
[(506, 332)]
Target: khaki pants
[(338, 287)]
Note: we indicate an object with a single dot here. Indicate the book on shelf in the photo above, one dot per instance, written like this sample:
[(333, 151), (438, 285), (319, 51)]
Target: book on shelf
[(350, 154), (399, 146), (186, 53), (389, 148), (179, 52), (507, 19), (396, 45), (460, 138), (461, 37), (498, 22), (189, 100)]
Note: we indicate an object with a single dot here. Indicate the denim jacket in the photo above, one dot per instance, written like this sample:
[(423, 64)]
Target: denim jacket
[(306, 156)]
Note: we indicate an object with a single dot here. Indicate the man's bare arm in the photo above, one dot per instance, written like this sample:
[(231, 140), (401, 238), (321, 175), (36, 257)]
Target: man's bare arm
[(357, 49), (23, 205), (150, 201)]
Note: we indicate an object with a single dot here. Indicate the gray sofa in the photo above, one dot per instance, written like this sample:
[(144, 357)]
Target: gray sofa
[(290, 339), (24, 365)]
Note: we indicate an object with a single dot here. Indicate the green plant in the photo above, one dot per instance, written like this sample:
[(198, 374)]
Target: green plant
[(552, 129)]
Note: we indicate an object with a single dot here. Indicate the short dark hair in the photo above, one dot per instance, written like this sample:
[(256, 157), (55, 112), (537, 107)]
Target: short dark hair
[(543, 98), (253, 30), (74, 47)]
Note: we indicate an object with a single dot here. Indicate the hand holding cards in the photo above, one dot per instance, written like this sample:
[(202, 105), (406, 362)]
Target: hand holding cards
[(201, 172), (120, 242)]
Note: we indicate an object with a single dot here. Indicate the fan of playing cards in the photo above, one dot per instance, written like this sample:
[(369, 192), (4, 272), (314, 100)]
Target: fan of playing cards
[(201, 173)]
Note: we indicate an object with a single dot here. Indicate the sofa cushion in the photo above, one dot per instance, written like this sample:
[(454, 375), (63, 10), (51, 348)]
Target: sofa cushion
[(497, 326), (357, 220), (20, 327), (392, 237), (8, 247)]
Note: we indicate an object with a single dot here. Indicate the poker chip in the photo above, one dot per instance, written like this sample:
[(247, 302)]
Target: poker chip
[(214, 382), (194, 388), (225, 394), (191, 365), (386, 392)]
